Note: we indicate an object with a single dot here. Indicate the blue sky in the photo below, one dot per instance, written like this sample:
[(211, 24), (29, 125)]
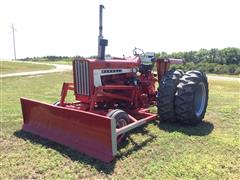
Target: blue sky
[(61, 27)]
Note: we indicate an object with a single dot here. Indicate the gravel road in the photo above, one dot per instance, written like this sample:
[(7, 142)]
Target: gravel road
[(58, 68)]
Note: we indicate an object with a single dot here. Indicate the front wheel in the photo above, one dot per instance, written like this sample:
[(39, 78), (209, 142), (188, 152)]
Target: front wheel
[(191, 98), (122, 119), (57, 103)]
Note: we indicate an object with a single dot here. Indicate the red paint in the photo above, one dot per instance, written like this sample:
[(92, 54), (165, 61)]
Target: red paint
[(116, 63), (83, 131)]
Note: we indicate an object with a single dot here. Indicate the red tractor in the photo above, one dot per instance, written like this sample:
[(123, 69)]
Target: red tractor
[(113, 97)]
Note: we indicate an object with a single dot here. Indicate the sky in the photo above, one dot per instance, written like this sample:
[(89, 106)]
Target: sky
[(70, 27)]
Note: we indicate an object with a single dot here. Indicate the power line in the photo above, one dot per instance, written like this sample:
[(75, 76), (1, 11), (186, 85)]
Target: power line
[(14, 47)]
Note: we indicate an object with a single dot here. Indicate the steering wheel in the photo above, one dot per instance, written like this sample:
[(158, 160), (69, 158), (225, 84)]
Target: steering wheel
[(138, 52)]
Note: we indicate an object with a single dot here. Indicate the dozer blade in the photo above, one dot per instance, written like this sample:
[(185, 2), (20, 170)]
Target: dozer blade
[(86, 132)]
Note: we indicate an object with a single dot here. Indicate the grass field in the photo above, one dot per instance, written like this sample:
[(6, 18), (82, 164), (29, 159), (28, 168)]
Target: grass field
[(210, 150), (226, 75), (15, 67), (57, 62)]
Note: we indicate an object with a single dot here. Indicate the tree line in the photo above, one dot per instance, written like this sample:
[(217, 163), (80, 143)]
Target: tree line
[(222, 61), (227, 56), (215, 60)]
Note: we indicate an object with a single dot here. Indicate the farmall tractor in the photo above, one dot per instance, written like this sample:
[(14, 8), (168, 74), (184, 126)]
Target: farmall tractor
[(113, 97)]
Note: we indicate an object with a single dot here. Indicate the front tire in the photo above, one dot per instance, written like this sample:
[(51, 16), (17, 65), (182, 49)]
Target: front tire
[(191, 98), (57, 103), (122, 119)]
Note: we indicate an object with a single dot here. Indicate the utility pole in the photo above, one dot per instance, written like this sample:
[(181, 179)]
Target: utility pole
[(14, 47)]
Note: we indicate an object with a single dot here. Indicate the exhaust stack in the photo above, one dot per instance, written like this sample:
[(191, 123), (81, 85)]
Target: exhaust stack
[(102, 43)]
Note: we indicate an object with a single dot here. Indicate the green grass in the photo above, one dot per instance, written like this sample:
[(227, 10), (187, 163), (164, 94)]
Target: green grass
[(155, 151), (226, 75), (15, 67)]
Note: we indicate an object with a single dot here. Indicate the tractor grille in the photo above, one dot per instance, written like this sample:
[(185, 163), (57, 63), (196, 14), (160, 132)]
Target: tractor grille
[(82, 78)]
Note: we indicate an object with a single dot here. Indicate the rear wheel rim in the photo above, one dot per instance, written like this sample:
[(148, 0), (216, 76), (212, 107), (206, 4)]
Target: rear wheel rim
[(200, 99)]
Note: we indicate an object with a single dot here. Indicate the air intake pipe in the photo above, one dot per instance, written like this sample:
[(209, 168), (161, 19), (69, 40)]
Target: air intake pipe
[(102, 43)]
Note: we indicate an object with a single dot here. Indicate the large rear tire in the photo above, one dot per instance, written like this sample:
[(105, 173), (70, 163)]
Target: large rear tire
[(191, 98), (122, 119), (166, 95)]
